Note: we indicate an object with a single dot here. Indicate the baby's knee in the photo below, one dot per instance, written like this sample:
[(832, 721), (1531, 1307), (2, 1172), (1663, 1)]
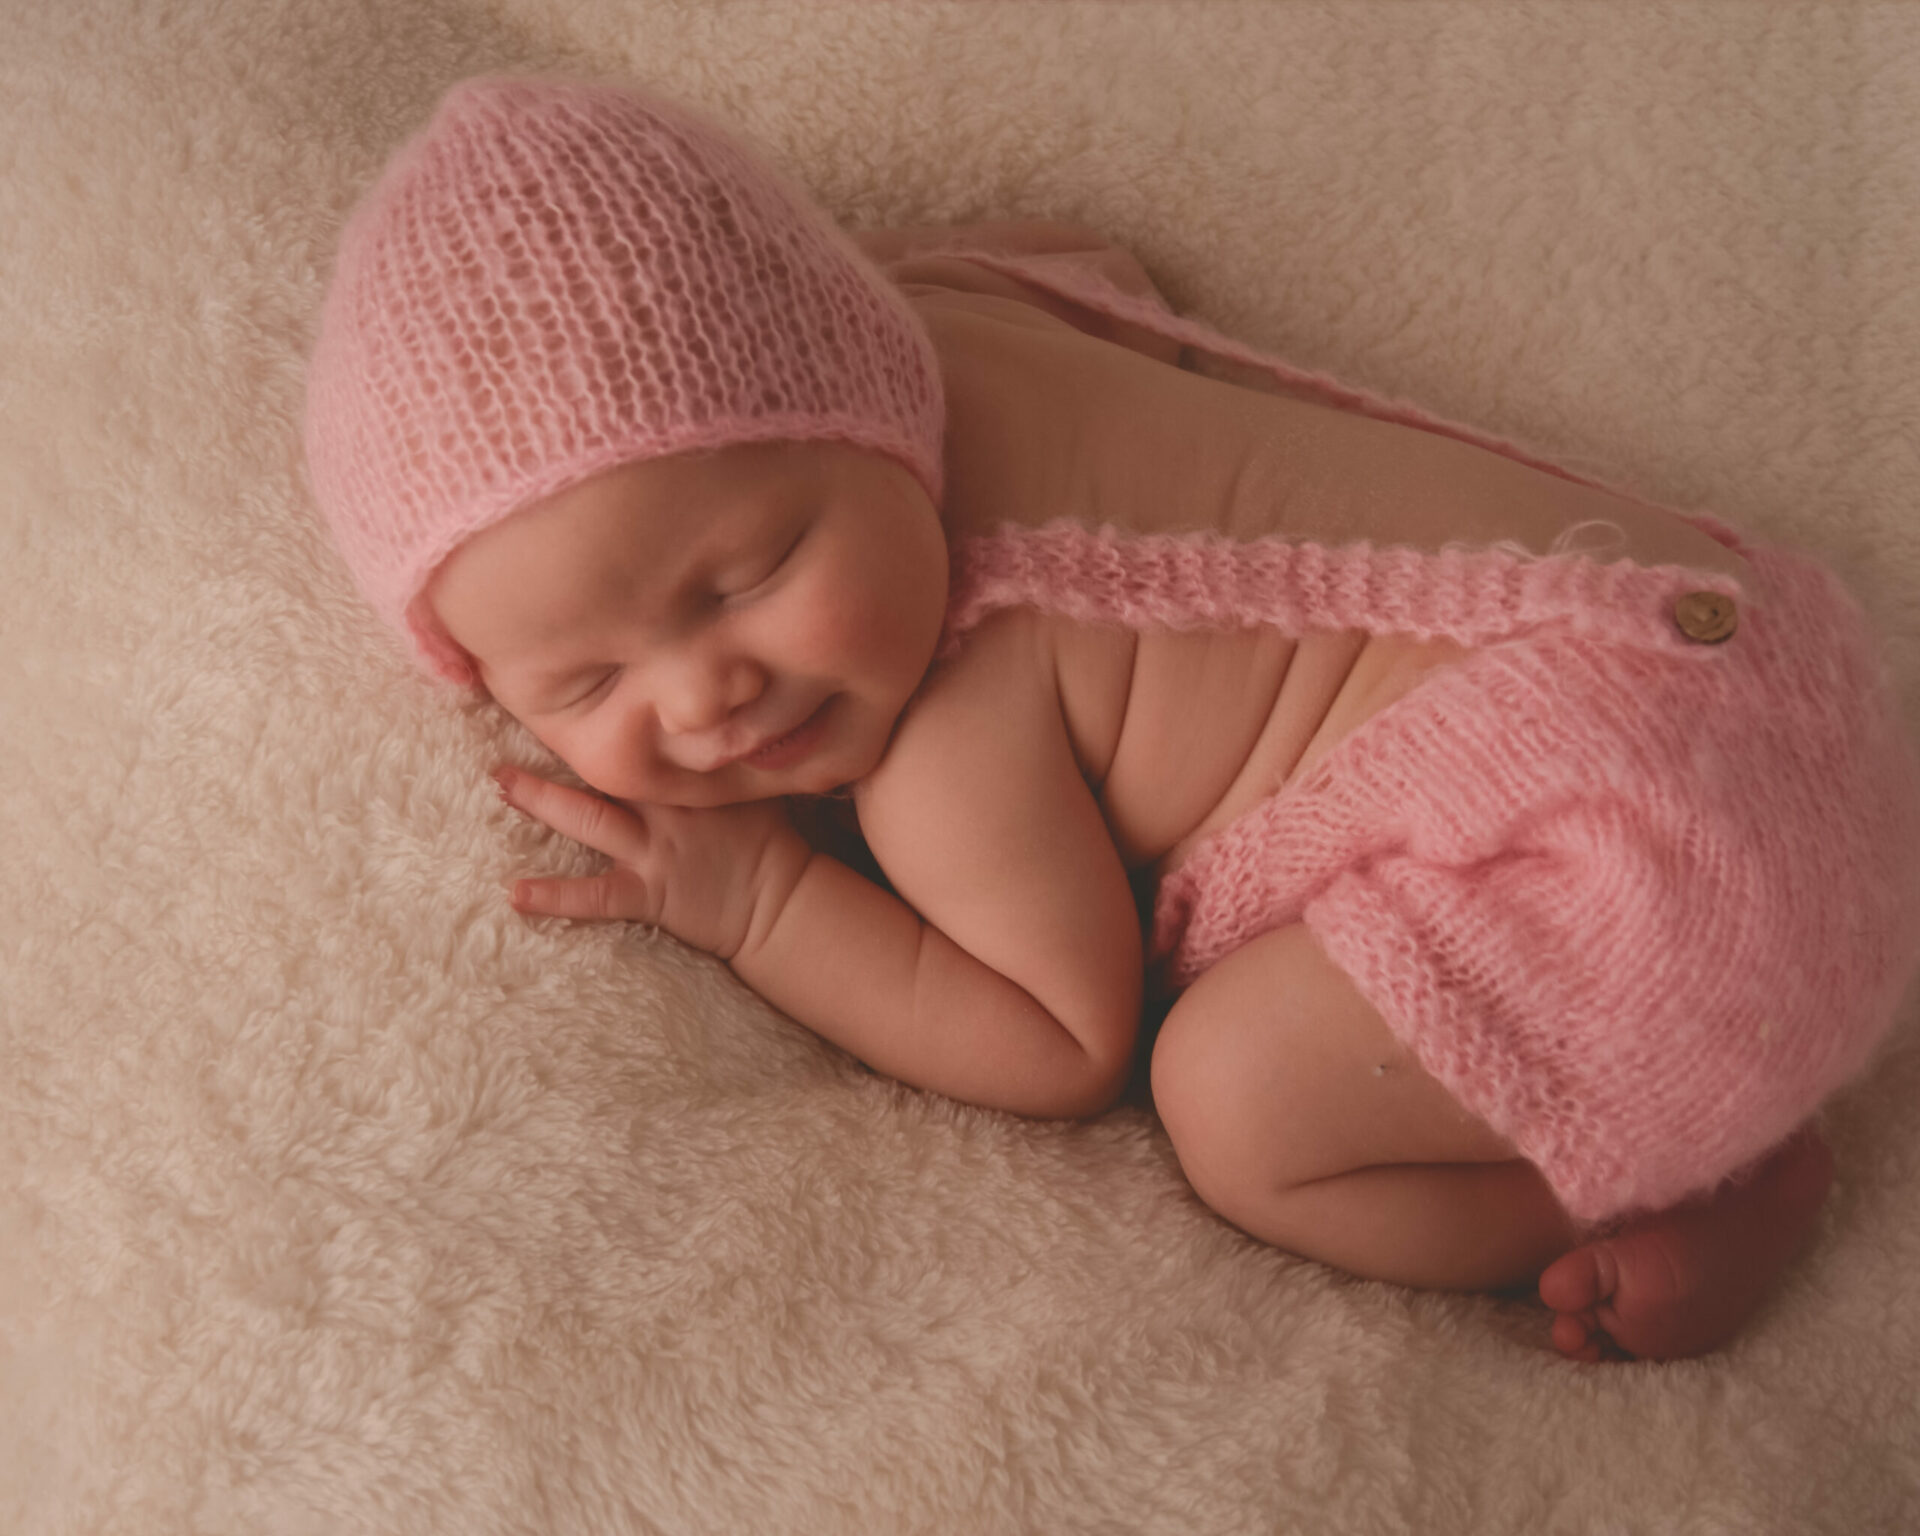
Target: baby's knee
[(1208, 1115)]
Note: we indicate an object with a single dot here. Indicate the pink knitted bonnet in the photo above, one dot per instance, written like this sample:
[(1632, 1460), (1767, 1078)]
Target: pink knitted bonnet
[(554, 279)]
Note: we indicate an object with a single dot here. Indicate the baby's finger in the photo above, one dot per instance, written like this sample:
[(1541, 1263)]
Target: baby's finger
[(590, 898), (576, 813)]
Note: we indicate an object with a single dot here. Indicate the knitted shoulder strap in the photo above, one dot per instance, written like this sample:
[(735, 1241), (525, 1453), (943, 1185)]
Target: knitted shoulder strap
[(1473, 596), (1207, 581)]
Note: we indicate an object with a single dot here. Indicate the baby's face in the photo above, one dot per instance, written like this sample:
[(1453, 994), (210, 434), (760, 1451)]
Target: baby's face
[(711, 627)]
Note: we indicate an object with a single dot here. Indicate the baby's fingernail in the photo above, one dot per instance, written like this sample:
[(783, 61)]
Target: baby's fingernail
[(503, 777)]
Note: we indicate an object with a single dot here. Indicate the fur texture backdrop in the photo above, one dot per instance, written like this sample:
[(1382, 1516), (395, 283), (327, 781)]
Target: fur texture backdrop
[(336, 1198)]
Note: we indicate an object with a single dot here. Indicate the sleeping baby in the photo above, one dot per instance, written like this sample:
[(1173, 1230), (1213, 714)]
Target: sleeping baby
[(1514, 866)]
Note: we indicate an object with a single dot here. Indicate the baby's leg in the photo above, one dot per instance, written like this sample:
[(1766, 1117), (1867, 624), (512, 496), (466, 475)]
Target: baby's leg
[(1300, 1118), (1681, 1281)]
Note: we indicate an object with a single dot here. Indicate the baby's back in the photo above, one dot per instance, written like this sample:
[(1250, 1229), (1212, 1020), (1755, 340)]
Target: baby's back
[(1179, 733)]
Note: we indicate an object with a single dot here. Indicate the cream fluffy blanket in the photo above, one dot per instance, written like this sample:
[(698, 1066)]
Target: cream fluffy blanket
[(335, 1198)]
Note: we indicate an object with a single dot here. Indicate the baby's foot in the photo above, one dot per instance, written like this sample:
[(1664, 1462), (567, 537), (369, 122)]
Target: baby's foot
[(1681, 1281)]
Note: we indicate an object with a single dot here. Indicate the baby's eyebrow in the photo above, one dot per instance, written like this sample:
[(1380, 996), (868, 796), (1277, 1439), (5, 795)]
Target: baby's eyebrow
[(560, 672)]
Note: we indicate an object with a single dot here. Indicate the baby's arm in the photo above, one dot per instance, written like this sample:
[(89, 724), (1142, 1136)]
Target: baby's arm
[(935, 256), (1013, 979), (1016, 984)]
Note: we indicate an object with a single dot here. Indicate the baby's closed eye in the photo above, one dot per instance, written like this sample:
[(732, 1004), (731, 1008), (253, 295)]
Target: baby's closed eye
[(597, 690)]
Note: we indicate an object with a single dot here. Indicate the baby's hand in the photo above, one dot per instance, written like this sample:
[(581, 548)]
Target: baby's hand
[(713, 878)]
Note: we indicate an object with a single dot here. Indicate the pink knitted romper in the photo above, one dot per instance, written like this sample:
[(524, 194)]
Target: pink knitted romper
[(1640, 900)]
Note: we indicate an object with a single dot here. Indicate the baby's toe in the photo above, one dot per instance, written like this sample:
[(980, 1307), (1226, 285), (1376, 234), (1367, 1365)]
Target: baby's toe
[(1575, 1337), (1577, 1281)]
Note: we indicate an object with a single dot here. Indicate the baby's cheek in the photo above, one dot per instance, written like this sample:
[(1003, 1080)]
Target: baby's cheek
[(606, 767), (875, 622), (585, 756), (833, 627)]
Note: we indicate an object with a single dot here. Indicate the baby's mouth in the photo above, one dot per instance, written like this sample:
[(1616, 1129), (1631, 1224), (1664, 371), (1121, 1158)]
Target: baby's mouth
[(785, 750)]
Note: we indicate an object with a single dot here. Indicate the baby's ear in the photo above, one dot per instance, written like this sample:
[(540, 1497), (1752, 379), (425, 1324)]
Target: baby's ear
[(437, 651)]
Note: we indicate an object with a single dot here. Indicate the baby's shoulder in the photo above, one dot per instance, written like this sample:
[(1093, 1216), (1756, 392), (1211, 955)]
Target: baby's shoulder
[(974, 724), (1000, 679), (981, 815)]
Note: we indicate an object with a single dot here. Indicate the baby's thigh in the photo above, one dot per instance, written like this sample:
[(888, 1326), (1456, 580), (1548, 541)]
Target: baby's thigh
[(1271, 1067)]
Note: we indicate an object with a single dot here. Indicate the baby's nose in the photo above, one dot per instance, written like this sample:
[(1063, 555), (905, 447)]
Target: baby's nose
[(702, 693)]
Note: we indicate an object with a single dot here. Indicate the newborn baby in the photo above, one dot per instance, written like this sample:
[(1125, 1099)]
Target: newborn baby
[(1521, 864)]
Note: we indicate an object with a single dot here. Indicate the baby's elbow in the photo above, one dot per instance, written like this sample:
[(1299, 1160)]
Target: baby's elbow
[(1095, 1089), (1102, 1063)]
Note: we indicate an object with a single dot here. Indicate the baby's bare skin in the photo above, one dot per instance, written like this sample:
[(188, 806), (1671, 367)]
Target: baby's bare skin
[(1116, 752)]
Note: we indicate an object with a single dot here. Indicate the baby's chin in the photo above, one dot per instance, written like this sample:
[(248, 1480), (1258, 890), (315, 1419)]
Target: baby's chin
[(831, 772), (723, 791)]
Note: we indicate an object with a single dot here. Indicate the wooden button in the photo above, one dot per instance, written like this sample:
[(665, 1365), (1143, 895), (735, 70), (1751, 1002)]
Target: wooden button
[(1708, 617)]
